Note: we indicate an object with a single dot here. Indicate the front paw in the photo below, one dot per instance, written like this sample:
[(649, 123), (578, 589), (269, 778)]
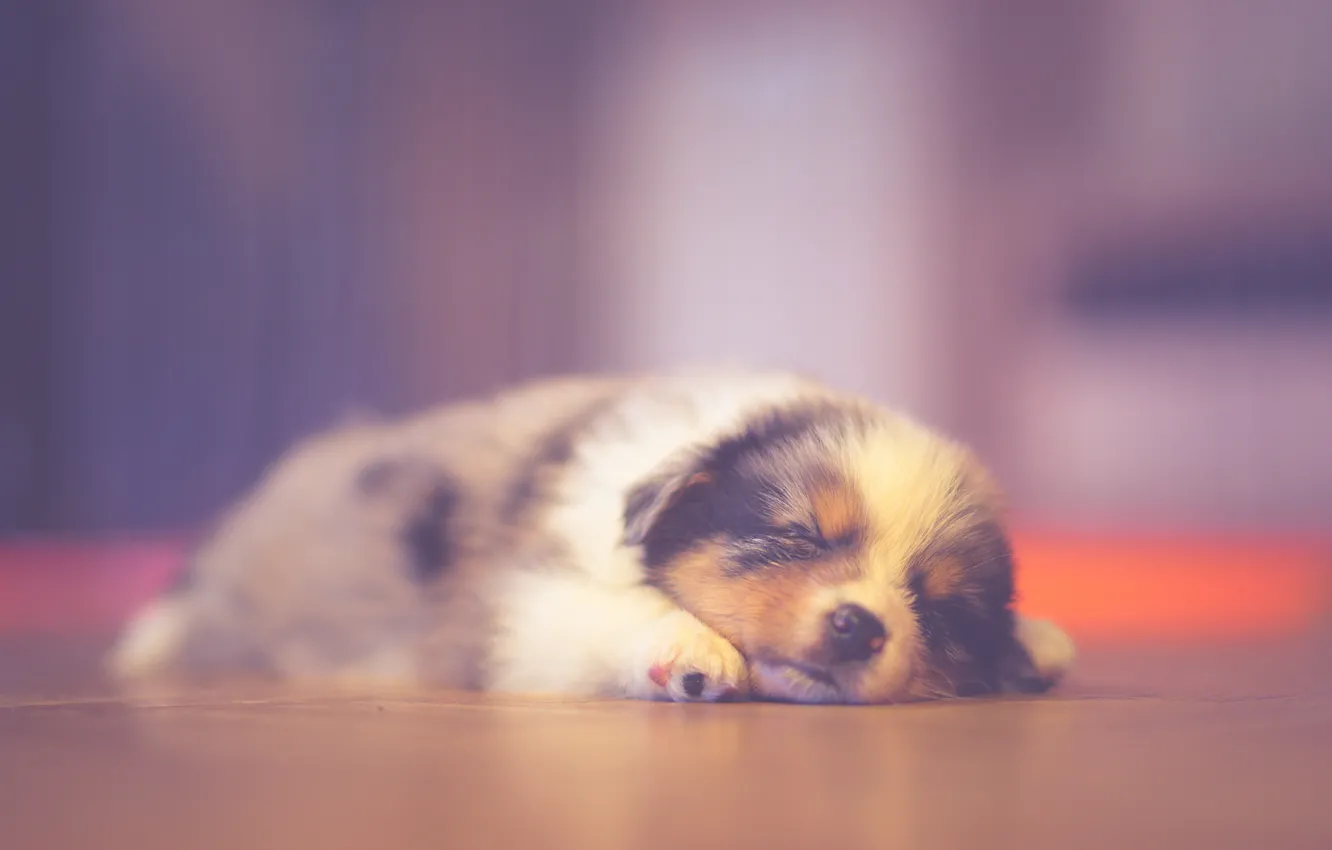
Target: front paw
[(691, 663)]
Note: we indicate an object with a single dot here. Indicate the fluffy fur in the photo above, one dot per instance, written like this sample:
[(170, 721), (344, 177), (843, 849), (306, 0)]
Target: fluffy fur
[(690, 538)]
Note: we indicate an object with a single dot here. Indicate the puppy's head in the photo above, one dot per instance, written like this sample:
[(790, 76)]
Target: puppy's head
[(850, 555)]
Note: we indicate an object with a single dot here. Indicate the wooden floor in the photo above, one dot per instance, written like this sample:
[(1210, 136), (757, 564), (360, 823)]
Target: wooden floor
[(1205, 747)]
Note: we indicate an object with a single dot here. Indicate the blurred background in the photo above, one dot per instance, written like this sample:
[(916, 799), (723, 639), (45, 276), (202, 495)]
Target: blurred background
[(1092, 238)]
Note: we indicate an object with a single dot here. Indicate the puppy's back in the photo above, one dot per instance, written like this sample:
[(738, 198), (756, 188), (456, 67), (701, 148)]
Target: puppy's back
[(353, 542)]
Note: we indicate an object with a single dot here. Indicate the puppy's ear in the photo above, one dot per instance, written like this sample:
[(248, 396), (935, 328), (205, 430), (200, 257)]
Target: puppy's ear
[(656, 494), (1040, 655)]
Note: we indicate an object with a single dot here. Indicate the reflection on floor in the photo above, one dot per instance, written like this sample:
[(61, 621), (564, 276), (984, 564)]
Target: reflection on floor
[(1221, 740)]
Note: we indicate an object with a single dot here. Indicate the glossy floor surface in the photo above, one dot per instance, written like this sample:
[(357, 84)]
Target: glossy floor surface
[(1205, 747)]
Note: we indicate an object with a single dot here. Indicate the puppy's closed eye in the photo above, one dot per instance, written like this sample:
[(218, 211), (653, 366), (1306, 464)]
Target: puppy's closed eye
[(777, 546)]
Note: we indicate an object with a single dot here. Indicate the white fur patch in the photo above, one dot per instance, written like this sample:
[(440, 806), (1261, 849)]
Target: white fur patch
[(905, 474), (1050, 648), (560, 633)]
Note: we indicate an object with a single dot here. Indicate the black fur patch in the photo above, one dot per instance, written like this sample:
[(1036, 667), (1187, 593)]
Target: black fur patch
[(971, 630), (732, 495), (430, 498), (1016, 674), (554, 450), (774, 428), (427, 535)]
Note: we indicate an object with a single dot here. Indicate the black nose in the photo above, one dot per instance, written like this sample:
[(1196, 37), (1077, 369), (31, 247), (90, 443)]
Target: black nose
[(855, 634)]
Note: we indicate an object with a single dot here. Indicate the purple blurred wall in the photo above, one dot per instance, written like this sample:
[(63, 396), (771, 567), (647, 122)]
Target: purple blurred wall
[(1092, 238)]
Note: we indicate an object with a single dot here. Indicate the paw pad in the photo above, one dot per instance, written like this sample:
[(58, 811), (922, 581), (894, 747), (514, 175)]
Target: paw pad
[(660, 674)]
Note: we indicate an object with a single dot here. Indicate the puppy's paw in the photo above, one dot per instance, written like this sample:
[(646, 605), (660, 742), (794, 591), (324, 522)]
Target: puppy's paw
[(691, 663), (1050, 648), (1040, 656)]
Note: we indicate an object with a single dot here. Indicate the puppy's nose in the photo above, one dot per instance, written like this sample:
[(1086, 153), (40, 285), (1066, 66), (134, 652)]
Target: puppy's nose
[(855, 634)]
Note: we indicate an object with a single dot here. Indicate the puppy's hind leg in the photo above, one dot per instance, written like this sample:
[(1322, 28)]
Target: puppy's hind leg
[(564, 634), (151, 642)]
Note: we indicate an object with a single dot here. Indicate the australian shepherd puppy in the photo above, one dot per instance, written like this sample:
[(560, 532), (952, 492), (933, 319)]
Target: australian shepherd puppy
[(695, 537)]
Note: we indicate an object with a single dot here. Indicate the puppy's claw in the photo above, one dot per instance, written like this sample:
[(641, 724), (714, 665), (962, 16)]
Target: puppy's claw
[(693, 684)]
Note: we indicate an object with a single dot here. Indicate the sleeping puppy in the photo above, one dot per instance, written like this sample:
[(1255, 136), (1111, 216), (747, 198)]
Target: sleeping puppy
[(691, 537)]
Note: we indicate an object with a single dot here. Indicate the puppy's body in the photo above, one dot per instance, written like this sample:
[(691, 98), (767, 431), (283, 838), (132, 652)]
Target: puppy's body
[(683, 537)]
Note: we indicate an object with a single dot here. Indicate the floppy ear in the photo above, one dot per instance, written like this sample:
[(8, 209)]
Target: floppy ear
[(653, 496), (1040, 656)]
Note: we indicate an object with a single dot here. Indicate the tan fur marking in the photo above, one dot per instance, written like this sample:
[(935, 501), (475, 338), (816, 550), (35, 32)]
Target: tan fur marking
[(943, 576), (765, 612), (839, 512)]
